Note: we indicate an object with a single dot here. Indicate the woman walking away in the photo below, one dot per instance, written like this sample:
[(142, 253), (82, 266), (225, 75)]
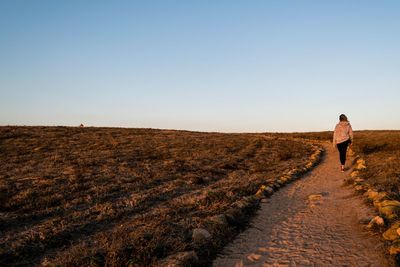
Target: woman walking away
[(342, 138)]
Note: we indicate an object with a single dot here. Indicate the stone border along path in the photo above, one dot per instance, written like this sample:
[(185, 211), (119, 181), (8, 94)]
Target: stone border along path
[(237, 215), (314, 221), (389, 209)]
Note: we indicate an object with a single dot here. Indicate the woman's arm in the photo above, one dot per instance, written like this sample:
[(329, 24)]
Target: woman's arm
[(351, 133)]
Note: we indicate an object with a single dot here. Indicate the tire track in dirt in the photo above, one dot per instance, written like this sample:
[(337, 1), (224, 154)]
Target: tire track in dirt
[(312, 222)]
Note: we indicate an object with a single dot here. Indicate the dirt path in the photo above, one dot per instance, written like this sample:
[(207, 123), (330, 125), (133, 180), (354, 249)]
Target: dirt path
[(311, 222)]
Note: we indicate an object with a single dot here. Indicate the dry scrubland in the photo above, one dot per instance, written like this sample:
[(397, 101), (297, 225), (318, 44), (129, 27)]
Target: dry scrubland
[(381, 151), (95, 196)]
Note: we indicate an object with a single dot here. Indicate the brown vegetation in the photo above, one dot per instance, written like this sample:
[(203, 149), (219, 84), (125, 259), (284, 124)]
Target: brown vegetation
[(95, 196), (381, 151), (376, 175)]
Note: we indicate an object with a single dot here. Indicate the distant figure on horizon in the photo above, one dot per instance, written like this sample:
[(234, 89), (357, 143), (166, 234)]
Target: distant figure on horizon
[(342, 138), (81, 125)]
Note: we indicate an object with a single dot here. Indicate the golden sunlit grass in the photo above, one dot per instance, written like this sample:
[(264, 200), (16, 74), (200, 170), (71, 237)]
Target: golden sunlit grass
[(381, 151), (95, 196)]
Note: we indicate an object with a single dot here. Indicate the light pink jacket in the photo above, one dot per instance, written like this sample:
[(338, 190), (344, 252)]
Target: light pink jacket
[(343, 132)]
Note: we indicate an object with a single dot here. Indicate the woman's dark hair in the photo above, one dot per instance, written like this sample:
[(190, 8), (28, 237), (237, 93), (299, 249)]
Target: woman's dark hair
[(343, 117)]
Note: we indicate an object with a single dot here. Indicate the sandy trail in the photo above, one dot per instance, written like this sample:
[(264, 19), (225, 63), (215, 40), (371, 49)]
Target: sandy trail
[(311, 222)]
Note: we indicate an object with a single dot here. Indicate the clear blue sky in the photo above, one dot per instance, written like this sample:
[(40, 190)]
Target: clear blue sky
[(234, 66)]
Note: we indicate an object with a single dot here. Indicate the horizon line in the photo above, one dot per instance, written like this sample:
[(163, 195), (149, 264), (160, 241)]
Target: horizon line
[(182, 129)]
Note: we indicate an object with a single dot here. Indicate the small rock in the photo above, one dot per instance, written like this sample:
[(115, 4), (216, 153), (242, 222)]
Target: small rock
[(263, 249), (377, 199), (351, 152), (381, 196), (395, 247), (377, 221), (361, 164), (268, 191), (361, 161), (390, 203), (371, 194), (285, 178), (276, 186), (314, 197), (391, 234), (200, 235), (359, 188), (361, 167), (254, 257), (260, 193), (354, 174), (263, 187), (315, 200), (389, 208)]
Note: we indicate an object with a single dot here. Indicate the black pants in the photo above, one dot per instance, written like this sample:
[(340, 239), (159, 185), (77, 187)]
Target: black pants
[(342, 147)]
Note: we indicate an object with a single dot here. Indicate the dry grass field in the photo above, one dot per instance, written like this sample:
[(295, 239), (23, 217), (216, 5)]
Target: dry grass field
[(111, 196), (380, 149)]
